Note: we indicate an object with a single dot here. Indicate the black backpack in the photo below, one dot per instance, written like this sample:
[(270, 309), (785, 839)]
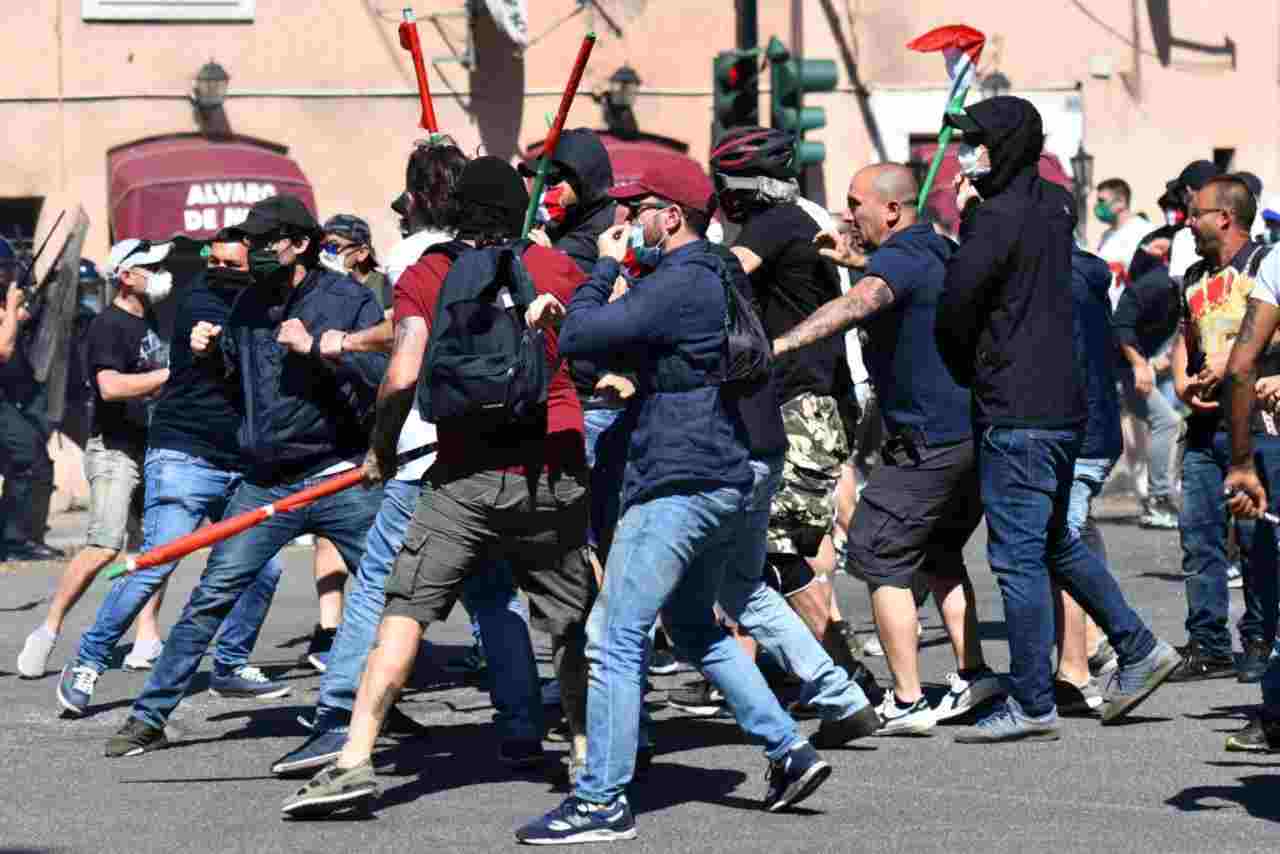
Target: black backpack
[(748, 352), (485, 369)]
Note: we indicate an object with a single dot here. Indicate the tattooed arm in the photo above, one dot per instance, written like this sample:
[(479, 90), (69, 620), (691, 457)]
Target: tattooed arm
[(1260, 321), (395, 397), (868, 296)]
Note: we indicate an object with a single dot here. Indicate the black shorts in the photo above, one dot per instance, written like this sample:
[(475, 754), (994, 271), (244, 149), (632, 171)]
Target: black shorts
[(464, 525), (916, 513), (787, 573)]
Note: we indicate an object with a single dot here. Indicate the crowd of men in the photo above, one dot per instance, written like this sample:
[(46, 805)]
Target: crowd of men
[(649, 434)]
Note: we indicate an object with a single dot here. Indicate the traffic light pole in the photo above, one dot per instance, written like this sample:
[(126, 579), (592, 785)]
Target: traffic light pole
[(748, 30), (797, 50)]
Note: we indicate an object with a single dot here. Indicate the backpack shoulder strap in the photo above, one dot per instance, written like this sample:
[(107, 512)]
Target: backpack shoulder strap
[(1256, 259)]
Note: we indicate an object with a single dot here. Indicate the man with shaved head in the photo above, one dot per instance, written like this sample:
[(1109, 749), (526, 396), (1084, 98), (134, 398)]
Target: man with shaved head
[(920, 508)]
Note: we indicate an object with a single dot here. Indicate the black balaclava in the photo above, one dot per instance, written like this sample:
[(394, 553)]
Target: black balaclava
[(1014, 135), (490, 193)]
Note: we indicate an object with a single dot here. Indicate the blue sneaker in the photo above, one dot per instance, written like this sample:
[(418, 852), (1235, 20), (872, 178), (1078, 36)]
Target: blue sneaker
[(794, 777), (247, 681), (321, 749), (1009, 723), (75, 689), (576, 821), (1133, 683)]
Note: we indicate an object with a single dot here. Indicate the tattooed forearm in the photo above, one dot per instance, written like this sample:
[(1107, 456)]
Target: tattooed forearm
[(1249, 323), (1239, 398), (866, 298)]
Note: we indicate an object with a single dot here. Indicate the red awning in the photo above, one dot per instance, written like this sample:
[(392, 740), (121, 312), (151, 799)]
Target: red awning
[(190, 184), (942, 198)]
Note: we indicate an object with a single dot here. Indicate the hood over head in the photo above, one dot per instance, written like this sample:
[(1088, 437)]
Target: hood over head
[(1013, 132)]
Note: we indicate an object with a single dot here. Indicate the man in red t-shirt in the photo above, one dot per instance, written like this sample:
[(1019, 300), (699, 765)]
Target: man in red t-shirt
[(519, 495)]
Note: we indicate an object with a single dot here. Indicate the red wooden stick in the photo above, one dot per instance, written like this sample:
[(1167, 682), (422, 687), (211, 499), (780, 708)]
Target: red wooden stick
[(409, 41), (570, 91)]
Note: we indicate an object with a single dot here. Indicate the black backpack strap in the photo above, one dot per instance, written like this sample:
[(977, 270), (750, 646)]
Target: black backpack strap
[(520, 277)]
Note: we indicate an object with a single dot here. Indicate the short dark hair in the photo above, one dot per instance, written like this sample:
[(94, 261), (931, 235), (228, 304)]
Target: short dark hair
[(1234, 196), (230, 234), (430, 176), (698, 221), (1119, 187)]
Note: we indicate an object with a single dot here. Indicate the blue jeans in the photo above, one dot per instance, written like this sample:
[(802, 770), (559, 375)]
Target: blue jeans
[(762, 612), (669, 554), (343, 518), (181, 490), (1203, 525), (1164, 422), (1026, 489), (1088, 478), (606, 447)]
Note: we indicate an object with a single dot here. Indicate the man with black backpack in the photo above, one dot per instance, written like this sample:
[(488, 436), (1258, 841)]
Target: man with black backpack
[(509, 479)]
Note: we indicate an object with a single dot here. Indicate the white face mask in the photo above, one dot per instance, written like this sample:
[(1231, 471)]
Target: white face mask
[(333, 261), (159, 285), (971, 161)]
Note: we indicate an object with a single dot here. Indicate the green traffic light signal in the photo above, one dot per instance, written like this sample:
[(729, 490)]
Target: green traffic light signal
[(790, 80)]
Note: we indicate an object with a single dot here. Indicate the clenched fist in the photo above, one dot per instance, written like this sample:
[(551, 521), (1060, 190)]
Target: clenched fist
[(202, 337), (294, 335), (332, 343), (544, 311)]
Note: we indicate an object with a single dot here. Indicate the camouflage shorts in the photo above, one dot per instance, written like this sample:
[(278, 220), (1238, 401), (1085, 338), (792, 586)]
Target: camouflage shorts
[(803, 509)]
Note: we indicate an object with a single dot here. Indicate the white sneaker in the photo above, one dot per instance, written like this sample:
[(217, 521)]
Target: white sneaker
[(871, 647), (35, 653), (962, 695), (917, 719), (1235, 579), (143, 655)]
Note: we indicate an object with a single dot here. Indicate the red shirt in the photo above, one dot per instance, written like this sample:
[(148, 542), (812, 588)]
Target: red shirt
[(416, 295)]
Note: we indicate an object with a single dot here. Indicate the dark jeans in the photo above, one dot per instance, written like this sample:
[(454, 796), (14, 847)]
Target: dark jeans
[(1204, 522), (1026, 488), (343, 518), (27, 469)]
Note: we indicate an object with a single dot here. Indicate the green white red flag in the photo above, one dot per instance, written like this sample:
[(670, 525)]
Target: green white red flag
[(962, 47)]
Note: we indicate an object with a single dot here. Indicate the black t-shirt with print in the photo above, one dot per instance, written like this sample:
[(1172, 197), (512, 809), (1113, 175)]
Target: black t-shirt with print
[(790, 284), (119, 341)]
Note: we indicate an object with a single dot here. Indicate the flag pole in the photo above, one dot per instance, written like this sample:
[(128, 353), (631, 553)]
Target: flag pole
[(944, 138)]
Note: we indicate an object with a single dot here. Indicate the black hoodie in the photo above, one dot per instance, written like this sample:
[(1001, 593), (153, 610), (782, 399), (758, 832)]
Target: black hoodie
[(584, 162), (1005, 319)]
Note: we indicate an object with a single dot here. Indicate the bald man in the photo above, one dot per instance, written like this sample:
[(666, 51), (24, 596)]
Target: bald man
[(920, 508)]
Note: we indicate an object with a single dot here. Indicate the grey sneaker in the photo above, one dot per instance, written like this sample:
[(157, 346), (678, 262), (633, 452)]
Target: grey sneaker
[(1103, 660), (1133, 683), (1161, 514), (34, 657), (332, 790), (75, 688), (1008, 723)]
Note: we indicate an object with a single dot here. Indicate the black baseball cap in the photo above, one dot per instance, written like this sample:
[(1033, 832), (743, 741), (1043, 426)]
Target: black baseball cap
[(1252, 181), (275, 213), (1194, 175)]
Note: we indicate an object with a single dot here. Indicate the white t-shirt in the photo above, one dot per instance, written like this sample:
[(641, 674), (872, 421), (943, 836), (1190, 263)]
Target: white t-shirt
[(1266, 286), (1182, 253), (852, 343), (1117, 247), (416, 432)]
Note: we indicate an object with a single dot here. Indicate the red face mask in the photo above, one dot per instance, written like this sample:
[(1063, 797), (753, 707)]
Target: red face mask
[(551, 211)]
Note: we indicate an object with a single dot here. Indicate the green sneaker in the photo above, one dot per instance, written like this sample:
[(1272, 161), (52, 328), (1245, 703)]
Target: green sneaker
[(1253, 738), (134, 738), (332, 790)]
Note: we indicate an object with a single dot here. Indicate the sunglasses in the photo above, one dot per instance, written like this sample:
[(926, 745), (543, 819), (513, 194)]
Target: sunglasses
[(337, 249), (634, 209)]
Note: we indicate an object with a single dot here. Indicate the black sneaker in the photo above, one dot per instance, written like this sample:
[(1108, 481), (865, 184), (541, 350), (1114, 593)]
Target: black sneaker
[(701, 699), (1259, 736), (1253, 663), (860, 724), (1198, 666), (134, 738), (794, 777), (521, 753), (399, 725), (318, 650)]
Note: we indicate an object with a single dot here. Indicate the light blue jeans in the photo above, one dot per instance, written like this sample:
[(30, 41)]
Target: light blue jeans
[(669, 554), (181, 490), (490, 597), (762, 612)]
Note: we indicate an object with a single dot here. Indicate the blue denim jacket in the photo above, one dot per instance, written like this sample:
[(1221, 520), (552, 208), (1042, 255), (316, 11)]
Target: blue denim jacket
[(670, 333), (1094, 348)]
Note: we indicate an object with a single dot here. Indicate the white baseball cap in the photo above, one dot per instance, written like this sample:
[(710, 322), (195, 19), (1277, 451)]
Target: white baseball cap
[(131, 253)]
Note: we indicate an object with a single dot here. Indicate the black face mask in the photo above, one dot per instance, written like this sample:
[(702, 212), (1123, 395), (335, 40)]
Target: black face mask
[(226, 277)]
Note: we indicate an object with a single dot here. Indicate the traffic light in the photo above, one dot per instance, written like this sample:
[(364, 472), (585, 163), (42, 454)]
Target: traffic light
[(790, 78), (736, 87)]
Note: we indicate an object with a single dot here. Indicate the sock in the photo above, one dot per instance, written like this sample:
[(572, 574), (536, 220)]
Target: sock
[(43, 631), (901, 703), (968, 675)]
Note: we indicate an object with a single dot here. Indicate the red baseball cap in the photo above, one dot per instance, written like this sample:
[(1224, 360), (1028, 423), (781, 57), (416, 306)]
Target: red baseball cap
[(682, 182)]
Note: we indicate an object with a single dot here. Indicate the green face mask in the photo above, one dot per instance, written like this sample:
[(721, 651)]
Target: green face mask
[(1103, 212), (266, 269)]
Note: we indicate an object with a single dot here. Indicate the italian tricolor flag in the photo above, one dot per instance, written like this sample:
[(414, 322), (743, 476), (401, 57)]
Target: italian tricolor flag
[(961, 46)]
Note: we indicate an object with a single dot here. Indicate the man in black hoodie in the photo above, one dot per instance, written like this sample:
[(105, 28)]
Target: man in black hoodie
[(1004, 328)]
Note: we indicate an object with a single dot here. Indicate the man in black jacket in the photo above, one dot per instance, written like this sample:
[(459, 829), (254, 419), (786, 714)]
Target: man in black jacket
[(305, 418), (1004, 328)]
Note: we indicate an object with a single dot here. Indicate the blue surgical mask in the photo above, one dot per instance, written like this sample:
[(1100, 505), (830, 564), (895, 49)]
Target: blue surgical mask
[(646, 256)]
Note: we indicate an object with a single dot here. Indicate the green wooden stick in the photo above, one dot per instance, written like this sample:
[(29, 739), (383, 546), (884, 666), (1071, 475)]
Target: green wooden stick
[(944, 137)]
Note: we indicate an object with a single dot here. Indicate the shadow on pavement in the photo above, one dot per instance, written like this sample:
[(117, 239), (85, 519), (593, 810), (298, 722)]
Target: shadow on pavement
[(1256, 793)]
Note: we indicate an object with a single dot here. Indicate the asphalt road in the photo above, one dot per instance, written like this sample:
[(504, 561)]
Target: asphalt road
[(1161, 783)]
